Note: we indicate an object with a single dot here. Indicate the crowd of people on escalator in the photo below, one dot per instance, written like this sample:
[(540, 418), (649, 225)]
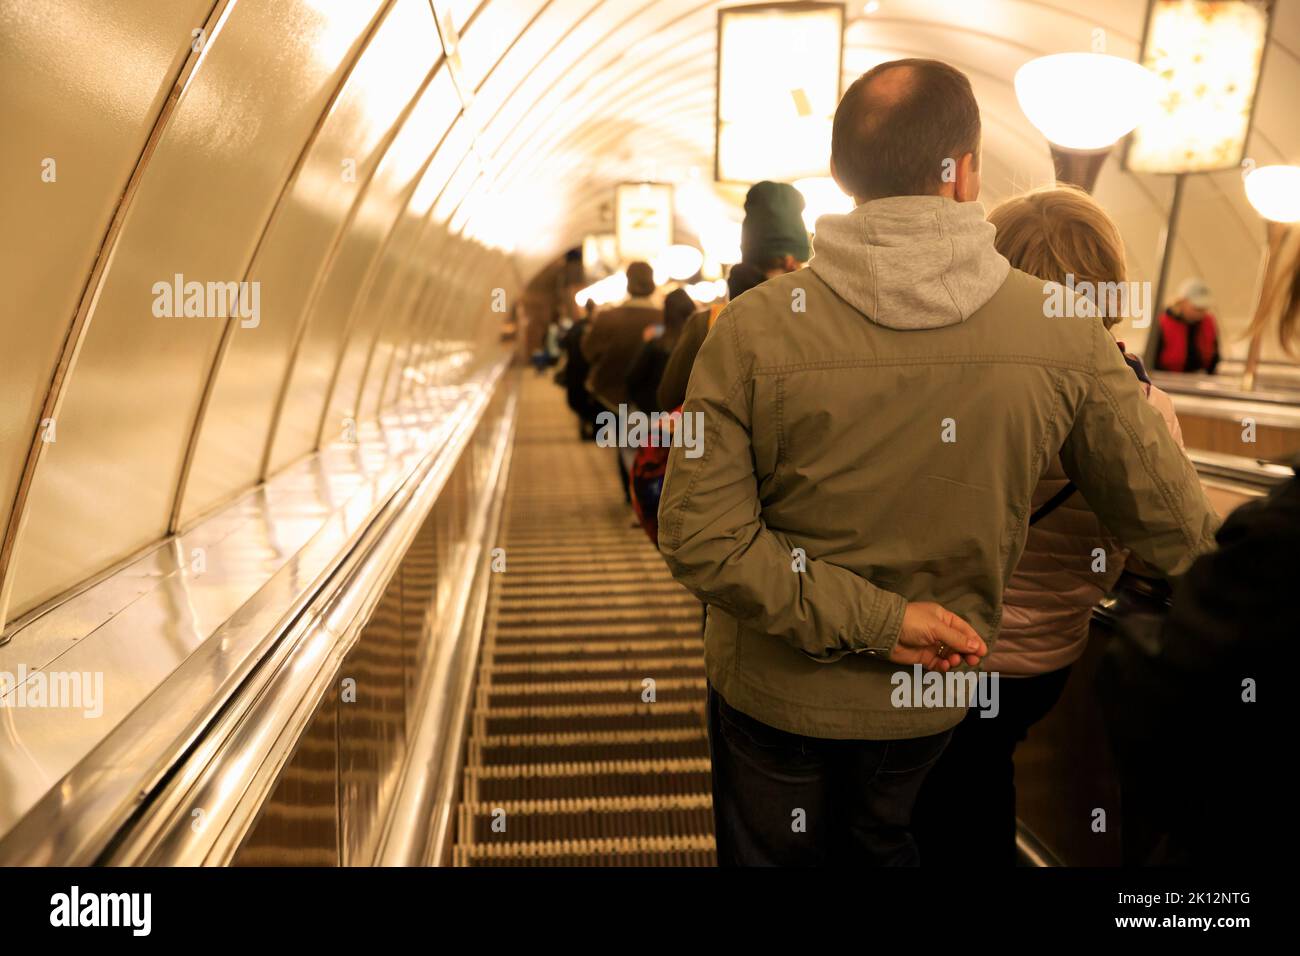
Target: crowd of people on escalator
[(914, 463)]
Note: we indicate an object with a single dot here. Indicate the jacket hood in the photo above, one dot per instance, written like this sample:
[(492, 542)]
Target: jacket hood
[(910, 262)]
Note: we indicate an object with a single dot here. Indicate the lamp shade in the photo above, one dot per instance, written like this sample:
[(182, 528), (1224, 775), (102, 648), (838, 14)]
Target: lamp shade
[(1085, 101), (1274, 191)]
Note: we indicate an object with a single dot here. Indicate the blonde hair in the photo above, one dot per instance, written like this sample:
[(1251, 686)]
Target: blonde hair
[(1281, 299), (1058, 231)]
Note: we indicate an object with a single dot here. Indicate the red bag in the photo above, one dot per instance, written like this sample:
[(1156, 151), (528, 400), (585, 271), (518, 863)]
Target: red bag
[(646, 482)]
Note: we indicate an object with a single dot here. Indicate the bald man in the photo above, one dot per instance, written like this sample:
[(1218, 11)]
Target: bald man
[(874, 429)]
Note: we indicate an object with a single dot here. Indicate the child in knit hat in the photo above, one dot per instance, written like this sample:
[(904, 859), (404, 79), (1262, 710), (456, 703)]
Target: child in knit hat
[(773, 241)]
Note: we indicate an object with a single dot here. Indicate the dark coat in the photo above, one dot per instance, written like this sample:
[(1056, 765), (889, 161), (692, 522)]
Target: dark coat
[(610, 345), (676, 375), (1200, 765), (575, 372), (647, 371)]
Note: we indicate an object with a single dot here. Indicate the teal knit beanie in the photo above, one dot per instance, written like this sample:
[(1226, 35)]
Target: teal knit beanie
[(773, 226)]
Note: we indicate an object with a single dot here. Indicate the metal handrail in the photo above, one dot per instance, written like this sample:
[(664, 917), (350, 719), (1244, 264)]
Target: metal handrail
[(233, 772), (414, 835), (1251, 472), (112, 805), (1207, 386), (1031, 851)]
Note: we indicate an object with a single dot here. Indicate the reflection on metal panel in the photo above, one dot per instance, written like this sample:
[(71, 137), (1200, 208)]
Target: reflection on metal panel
[(260, 85), (385, 311), (1226, 498), (1237, 431), (495, 26), (529, 54), (420, 575), (576, 50)]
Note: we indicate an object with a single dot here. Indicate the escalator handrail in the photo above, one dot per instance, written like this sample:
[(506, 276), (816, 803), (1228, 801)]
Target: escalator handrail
[(1252, 472), (232, 774)]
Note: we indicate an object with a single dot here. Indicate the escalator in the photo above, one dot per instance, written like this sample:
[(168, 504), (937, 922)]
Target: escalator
[(587, 744)]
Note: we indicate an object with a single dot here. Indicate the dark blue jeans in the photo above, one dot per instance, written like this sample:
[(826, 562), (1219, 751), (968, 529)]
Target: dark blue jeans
[(976, 779), (781, 799)]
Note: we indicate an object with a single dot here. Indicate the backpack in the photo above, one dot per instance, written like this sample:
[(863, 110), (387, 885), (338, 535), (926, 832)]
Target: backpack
[(646, 477)]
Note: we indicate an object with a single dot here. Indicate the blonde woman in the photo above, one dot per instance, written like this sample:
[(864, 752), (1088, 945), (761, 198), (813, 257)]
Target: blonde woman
[(1069, 563)]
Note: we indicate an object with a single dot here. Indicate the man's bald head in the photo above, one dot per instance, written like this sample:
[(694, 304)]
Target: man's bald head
[(901, 127)]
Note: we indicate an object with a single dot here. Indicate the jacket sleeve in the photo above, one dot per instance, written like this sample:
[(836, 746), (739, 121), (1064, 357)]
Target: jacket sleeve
[(1132, 472), (1162, 403), (711, 529), (677, 374)]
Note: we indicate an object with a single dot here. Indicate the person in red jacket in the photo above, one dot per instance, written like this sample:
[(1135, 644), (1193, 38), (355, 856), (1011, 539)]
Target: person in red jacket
[(1187, 337)]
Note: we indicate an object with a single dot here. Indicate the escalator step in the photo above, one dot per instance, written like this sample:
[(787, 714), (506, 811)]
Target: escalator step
[(553, 718), (668, 690), (585, 650), (646, 617), (695, 850), (597, 778), (531, 631), (603, 818), (504, 674), (592, 746)]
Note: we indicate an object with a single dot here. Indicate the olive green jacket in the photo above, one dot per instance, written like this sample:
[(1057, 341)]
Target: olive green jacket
[(874, 428)]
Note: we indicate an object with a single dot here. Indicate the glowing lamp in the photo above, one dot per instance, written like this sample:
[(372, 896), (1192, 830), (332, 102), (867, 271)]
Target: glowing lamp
[(1084, 101), (1274, 191), (821, 197), (679, 262)]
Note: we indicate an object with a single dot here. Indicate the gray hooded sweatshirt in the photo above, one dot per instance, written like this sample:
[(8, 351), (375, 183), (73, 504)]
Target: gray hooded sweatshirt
[(910, 262)]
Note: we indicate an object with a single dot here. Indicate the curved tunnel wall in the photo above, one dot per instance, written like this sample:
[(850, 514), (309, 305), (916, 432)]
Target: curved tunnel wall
[(379, 194), (315, 150)]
